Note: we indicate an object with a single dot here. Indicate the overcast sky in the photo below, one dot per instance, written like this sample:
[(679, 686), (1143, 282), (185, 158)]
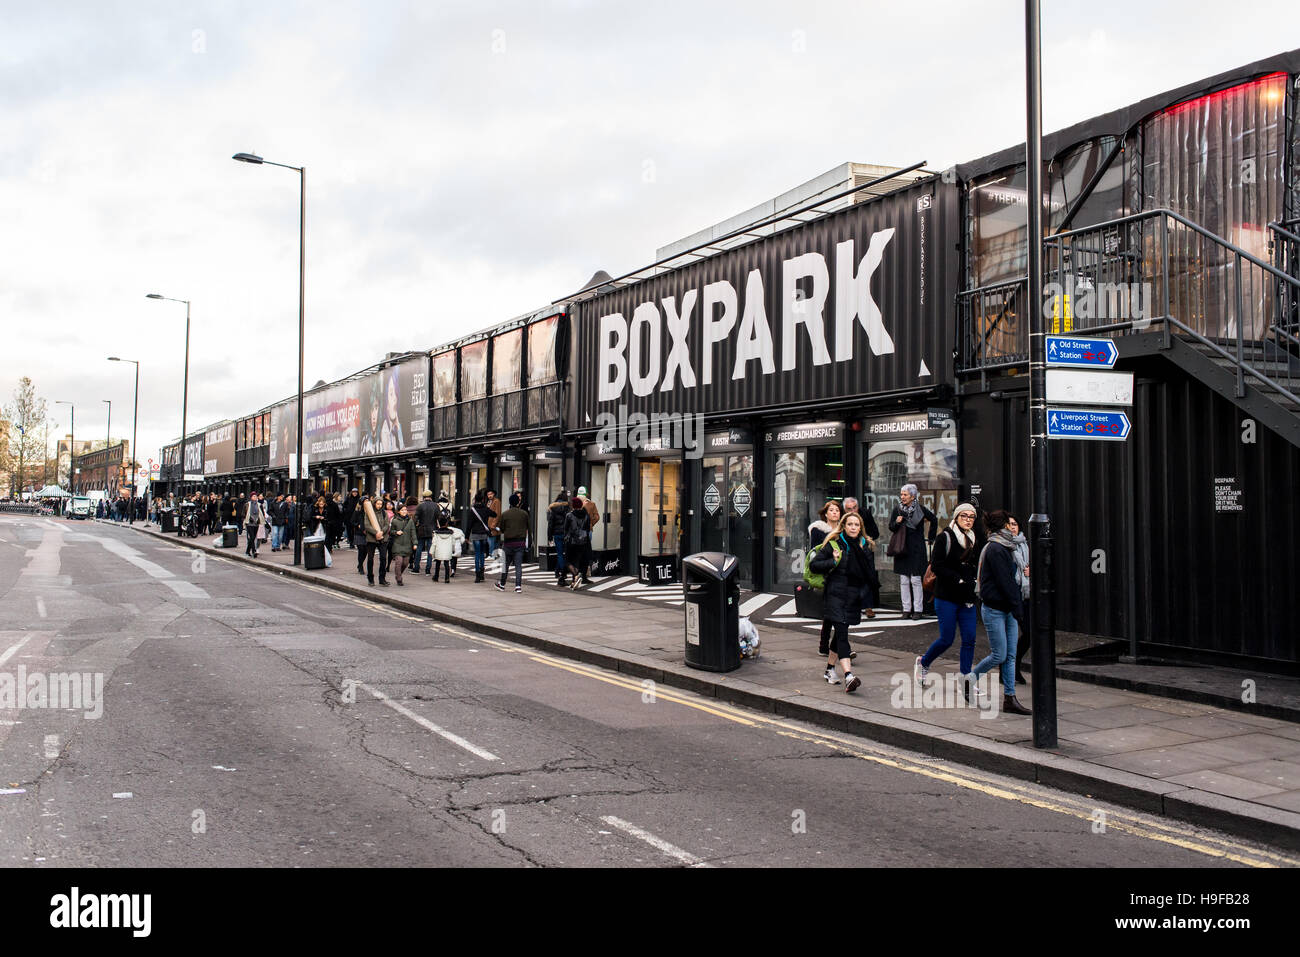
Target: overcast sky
[(468, 162)]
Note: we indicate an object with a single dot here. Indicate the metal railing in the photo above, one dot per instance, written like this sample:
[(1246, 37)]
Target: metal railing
[(1284, 251), (534, 408), (1155, 269)]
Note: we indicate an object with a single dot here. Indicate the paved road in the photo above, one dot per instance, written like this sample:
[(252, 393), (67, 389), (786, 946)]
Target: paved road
[(250, 720)]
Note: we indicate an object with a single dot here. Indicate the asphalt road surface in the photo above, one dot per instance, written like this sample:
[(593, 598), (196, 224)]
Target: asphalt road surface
[(250, 720)]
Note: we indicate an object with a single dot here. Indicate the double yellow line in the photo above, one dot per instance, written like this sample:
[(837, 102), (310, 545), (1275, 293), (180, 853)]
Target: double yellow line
[(1143, 826)]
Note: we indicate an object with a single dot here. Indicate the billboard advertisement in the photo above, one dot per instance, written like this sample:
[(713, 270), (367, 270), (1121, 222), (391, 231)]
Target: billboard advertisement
[(284, 434), (377, 414), (219, 450), (194, 458)]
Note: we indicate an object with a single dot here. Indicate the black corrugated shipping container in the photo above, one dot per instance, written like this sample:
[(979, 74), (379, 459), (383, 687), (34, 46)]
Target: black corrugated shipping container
[(1185, 534), (901, 244)]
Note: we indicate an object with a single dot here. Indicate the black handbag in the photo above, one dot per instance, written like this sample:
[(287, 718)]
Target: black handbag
[(897, 542), (809, 602)]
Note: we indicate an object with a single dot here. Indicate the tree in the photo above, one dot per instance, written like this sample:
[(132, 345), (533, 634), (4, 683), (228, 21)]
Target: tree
[(26, 416)]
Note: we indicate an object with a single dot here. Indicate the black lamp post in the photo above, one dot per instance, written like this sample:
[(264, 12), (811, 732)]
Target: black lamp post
[(185, 395), (72, 448), (302, 269), (1042, 613), (135, 408)]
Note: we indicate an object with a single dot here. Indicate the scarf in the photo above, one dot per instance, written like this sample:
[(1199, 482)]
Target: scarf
[(911, 514), (1003, 538)]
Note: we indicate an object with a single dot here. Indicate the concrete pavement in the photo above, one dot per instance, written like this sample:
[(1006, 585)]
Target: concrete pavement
[(1232, 770)]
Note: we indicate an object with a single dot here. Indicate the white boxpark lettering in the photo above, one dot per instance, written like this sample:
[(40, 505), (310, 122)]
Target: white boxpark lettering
[(633, 354)]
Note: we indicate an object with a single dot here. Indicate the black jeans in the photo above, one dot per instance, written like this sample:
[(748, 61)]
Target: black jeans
[(251, 548), (382, 549)]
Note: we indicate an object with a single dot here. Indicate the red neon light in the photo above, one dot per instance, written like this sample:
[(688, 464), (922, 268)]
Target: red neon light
[(1200, 101)]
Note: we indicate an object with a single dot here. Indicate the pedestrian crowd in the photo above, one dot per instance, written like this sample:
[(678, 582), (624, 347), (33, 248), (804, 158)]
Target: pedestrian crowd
[(969, 572)]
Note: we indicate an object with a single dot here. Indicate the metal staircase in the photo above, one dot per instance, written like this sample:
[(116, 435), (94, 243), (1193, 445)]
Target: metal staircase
[(1159, 283)]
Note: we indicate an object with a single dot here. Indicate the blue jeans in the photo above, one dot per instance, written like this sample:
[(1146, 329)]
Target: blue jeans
[(423, 546), (558, 542), (482, 546), (277, 534), (1003, 631), (951, 614)]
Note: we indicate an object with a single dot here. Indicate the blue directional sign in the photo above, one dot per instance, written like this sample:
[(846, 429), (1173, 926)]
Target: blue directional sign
[(1075, 351), (1096, 424)]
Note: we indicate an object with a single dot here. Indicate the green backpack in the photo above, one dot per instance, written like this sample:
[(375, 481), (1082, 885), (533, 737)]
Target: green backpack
[(818, 579)]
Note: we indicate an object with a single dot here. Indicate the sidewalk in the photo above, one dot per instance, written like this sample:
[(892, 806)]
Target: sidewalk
[(1232, 770)]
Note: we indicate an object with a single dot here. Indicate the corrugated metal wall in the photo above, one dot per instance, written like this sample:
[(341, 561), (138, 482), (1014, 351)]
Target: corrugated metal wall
[(914, 287), (1217, 582)]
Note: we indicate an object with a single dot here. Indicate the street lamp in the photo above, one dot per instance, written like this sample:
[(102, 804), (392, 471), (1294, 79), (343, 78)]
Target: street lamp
[(185, 395), (108, 439), (72, 449), (302, 269), (1042, 613), (135, 408)]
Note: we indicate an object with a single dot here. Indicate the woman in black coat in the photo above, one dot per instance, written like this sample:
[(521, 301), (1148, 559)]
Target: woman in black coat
[(953, 562), (844, 559), (577, 539), (909, 564)]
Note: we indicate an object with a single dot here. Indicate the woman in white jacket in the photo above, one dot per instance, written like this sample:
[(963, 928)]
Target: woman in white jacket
[(447, 540)]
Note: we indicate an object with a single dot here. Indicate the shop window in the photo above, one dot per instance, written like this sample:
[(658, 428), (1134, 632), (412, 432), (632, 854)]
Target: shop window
[(541, 351), (444, 379), (473, 371), (506, 354), (1218, 160), (928, 463)]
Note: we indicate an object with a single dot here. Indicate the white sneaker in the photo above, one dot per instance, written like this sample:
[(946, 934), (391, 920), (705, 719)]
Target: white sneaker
[(831, 675), (852, 682), (920, 673)]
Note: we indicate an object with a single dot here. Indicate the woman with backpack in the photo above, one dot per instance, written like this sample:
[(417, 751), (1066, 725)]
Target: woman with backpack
[(577, 539), (953, 564), (850, 578), (1000, 594)]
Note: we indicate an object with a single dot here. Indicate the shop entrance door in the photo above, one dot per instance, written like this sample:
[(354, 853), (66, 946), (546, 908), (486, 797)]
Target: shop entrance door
[(606, 491), (728, 510), (545, 487), (659, 483)]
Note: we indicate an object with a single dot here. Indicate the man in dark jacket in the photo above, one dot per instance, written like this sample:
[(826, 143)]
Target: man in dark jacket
[(555, 531), (349, 506), (1002, 605), (513, 526), (276, 508), (426, 520)]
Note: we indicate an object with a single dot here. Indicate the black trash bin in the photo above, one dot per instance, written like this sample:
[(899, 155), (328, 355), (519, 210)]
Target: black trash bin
[(229, 536), (166, 520), (313, 555), (712, 611)]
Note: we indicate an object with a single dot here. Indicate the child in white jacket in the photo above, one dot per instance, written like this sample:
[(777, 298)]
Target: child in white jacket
[(446, 546)]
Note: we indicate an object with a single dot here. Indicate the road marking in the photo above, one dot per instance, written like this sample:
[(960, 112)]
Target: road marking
[(40, 607), (13, 648), (429, 725), (185, 589), (658, 843), (13, 790), (758, 601), (612, 583)]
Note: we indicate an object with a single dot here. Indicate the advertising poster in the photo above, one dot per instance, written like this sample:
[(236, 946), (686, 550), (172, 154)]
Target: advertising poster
[(395, 408), (330, 423), (284, 434), (219, 450)]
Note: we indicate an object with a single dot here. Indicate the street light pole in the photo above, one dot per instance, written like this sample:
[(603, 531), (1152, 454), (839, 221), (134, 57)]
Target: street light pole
[(302, 287), (108, 439), (135, 409), (72, 448), (185, 395), (1042, 617)]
